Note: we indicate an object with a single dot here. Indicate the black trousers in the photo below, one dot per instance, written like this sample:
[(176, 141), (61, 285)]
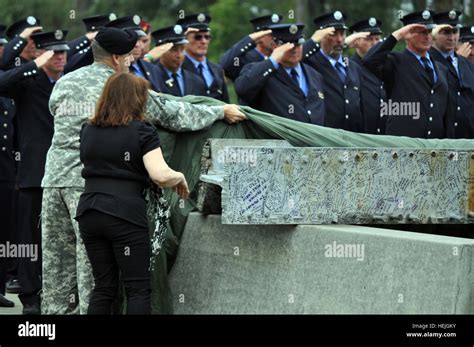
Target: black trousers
[(7, 218), (114, 245), (29, 226)]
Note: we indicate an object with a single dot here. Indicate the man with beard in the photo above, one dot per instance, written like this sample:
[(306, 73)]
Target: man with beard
[(342, 80), (174, 79), (67, 277), (21, 48), (252, 48), (30, 86), (460, 76), (198, 34), (366, 34), (412, 78)]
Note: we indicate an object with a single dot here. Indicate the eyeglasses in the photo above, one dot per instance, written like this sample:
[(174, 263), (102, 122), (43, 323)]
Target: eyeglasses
[(199, 37)]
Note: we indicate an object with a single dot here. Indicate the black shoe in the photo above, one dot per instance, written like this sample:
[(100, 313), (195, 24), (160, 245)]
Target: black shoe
[(33, 309), (4, 302), (13, 286)]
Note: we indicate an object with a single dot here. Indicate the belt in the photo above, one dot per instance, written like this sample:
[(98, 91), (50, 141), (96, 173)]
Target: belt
[(113, 186)]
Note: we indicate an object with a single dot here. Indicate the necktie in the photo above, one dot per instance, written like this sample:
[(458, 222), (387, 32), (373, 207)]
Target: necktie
[(341, 71), (176, 83), (450, 61), (428, 69), (201, 73), (294, 76)]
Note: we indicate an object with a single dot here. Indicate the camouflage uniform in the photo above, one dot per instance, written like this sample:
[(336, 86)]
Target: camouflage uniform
[(67, 277)]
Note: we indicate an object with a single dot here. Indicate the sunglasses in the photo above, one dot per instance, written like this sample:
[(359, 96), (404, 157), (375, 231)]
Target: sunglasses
[(199, 37)]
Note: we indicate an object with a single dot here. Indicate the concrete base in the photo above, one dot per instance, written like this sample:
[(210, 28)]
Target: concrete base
[(224, 269)]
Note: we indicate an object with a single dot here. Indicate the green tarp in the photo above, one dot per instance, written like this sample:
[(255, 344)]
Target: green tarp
[(183, 152)]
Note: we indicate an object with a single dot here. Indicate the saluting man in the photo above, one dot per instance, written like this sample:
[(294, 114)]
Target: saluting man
[(342, 80), (30, 85), (417, 86), (366, 34), (252, 48), (282, 85), (460, 76), (21, 48), (174, 79)]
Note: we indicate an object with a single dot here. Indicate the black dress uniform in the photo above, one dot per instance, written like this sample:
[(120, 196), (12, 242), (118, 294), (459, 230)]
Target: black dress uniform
[(460, 83), (373, 91), (193, 85), (343, 99), (272, 90), (407, 81), (31, 88), (149, 71), (92, 24), (13, 49), (244, 52), (218, 88), (7, 186)]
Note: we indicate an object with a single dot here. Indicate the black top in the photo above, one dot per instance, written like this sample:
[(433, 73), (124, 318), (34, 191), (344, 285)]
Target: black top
[(114, 170)]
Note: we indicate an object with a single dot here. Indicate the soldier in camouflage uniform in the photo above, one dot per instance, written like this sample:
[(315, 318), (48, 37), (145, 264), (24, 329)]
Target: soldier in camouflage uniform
[(67, 277)]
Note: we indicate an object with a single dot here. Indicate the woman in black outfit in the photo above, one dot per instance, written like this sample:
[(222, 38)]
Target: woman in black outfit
[(120, 153)]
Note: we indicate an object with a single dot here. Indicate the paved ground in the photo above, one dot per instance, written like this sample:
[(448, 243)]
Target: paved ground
[(14, 310)]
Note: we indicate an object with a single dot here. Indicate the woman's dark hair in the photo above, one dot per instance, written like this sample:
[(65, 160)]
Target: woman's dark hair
[(123, 99)]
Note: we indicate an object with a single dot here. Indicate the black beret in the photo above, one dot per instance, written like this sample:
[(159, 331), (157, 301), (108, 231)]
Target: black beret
[(117, 41)]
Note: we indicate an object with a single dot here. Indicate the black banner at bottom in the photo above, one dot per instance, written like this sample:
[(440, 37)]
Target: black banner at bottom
[(320, 329)]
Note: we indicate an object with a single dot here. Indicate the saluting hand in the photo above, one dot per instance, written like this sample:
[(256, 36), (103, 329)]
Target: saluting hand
[(322, 33), (259, 34), (232, 114), (43, 58), (351, 40), (280, 51), (90, 36), (464, 50), (158, 51), (28, 31), (407, 31)]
